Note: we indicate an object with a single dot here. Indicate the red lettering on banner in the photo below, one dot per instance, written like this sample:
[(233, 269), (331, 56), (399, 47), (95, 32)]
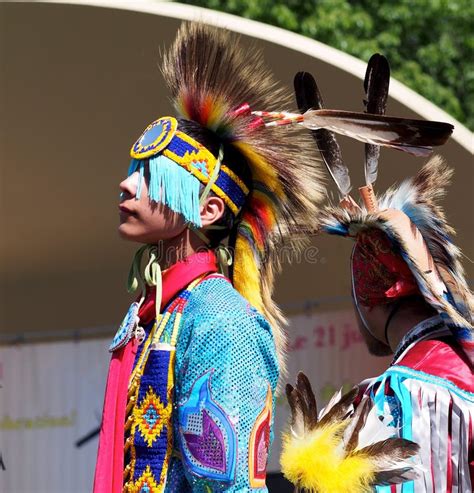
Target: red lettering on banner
[(319, 334), (328, 336), (324, 336), (350, 336)]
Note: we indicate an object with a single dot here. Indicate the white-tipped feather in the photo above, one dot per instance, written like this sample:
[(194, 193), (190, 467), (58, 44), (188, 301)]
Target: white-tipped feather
[(413, 136), (332, 402)]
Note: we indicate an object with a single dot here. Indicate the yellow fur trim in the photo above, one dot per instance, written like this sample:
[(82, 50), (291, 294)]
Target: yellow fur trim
[(246, 275), (316, 462)]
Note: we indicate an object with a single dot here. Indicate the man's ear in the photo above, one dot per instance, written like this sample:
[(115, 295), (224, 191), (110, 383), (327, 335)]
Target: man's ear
[(212, 210)]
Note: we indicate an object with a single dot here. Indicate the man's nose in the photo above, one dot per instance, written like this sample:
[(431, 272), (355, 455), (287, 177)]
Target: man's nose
[(128, 187)]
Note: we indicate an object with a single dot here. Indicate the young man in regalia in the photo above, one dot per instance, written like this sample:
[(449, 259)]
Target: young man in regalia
[(191, 387)]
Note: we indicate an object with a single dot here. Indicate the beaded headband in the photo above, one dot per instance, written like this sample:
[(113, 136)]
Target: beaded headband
[(164, 146)]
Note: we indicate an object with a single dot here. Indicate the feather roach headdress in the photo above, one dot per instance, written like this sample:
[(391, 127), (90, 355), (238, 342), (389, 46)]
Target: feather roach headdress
[(402, 237), (264, 175), (342, 449)]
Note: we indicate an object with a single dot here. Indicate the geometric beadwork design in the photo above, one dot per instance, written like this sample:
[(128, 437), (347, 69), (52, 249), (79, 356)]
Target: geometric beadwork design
[(146, 483), (201, 166), (151, 431), (151, 416), (197, 159), (259, 444)]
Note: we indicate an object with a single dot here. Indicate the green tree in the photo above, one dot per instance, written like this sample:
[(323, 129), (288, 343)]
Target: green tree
[(429, 43)]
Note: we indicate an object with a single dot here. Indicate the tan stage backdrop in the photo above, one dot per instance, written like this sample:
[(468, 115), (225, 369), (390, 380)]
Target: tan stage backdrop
[(78, 83)]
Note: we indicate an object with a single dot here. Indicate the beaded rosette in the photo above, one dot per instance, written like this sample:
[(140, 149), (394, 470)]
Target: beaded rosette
[(126, 329)]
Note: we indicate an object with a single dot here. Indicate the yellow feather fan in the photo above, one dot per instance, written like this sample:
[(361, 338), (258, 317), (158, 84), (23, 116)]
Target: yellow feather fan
[(324, 456)]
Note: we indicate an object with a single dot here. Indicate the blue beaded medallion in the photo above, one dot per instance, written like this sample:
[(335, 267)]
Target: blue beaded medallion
[(125, 331), (155, 138)]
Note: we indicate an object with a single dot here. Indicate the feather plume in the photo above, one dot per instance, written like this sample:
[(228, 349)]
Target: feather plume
[(317, 457), (303, 406), (308, 97), (413, 136), (210, 75), (335, 398), (391, 450), (376, 84)]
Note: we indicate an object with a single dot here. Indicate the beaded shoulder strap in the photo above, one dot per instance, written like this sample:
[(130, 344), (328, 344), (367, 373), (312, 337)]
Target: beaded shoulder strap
[(148, 424)]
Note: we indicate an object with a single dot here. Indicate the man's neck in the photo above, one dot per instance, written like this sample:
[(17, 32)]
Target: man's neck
[(430, 328), (405, 320), (178, 248)]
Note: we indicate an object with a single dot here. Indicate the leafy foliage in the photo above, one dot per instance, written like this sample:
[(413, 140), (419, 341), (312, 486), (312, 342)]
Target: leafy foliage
[(429, 43)]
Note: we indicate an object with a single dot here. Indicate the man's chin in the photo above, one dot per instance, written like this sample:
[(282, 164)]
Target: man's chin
[(127, 233)]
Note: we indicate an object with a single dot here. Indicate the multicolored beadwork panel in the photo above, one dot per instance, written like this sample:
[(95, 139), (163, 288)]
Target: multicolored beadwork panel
[(209, 441), (146, 483), (151, 417), (154, 138)]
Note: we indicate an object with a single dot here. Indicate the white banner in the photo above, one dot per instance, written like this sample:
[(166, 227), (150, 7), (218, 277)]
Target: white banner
[(51, 396), (51, 399), (329, 349)]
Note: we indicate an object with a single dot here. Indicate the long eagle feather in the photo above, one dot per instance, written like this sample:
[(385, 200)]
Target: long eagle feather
[(376, 85), (308, 97), (413, 136)]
